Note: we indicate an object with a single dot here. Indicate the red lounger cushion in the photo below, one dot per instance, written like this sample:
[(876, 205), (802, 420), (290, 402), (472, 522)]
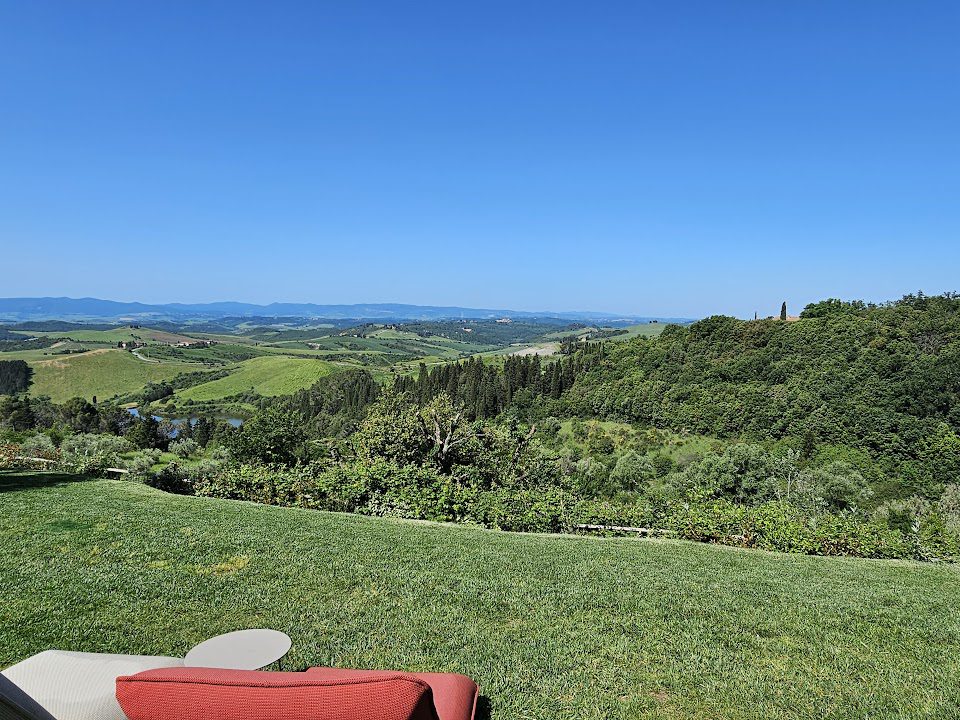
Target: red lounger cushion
[(187, 693), (454, 696)]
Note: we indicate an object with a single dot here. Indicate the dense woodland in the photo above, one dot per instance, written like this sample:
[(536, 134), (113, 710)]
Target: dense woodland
[(834, 434)]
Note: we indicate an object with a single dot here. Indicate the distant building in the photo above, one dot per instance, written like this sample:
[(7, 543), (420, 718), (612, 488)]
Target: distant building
[(504, 320), (195, 343)]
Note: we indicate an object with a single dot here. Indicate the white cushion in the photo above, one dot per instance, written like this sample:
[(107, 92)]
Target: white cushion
[(80, 686)]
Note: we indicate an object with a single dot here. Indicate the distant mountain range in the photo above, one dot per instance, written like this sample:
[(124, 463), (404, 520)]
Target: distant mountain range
[(93, 309)]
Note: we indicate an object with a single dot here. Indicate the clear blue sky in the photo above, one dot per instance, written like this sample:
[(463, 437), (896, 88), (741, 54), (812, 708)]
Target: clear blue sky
[(681, 158)]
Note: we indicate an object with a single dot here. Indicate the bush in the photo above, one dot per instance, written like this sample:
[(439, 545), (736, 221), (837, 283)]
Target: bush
[(174, 478), (220, 452), (386, 488), (184, 447), (40, 446), (90, 454), (783, 527), (142, 462)]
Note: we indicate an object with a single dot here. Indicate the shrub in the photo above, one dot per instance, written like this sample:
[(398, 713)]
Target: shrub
[(142, 462), (39, 445), (184, 447), (173, 477), (221, 452), (949, 507), (783, 527), (90, 454)]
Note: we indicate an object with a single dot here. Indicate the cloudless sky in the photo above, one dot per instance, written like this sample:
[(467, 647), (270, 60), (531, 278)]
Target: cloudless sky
[(661, 158)]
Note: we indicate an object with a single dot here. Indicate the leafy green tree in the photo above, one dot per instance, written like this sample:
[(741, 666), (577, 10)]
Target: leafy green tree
[(940, 456), (145, 432), (203, 431), (17, 413), (392, 430), (632, 472), (80, 415), (273, 435)]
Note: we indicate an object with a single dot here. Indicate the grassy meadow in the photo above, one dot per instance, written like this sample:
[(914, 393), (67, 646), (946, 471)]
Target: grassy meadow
[(268, 375), (549, 626), (103, 373)]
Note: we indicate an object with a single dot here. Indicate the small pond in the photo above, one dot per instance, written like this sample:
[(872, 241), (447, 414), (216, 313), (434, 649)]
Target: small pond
[(236, 422)]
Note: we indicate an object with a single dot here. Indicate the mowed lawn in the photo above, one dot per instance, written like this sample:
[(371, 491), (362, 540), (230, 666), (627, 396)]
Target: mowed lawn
[(103, 373), (267, 375), (550, 627)]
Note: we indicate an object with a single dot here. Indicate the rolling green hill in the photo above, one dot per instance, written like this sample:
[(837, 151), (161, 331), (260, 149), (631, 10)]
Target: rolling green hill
[(550, 627), (267, 375), (103, 373), (387, 350)]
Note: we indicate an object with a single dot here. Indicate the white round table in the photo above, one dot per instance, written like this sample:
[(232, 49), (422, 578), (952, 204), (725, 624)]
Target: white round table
[(239, 650)]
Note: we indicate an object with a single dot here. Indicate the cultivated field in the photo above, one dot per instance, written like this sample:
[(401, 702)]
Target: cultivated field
[(267, 375), (550, 627)]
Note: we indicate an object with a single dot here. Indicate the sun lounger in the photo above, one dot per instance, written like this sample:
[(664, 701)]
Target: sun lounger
[(61, 685)]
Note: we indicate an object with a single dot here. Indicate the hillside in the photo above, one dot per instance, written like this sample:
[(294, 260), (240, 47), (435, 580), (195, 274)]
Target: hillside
[(101, 373), (268, 375), (880, 381), (551, 627)]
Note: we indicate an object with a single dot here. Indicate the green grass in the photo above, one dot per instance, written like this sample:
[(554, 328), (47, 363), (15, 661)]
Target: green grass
[(103, 373), (220, 354), (267, 375), (99, 336), (641, 330), (550, 627)]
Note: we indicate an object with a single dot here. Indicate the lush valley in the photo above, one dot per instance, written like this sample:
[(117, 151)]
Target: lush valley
[(834, 434), (251, 358)]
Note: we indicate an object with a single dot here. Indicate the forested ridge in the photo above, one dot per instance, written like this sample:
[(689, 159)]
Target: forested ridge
[(881, 379)]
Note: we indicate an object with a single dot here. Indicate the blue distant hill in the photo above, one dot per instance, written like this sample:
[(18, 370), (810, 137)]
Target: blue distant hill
[(92, 309)]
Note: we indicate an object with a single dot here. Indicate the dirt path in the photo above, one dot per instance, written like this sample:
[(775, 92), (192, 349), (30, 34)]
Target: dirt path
[(141, 357)]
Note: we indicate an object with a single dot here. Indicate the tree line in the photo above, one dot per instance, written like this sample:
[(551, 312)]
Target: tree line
[(486, 390)]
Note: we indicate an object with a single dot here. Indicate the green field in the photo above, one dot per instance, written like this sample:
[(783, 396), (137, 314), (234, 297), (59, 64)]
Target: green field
[(113, 336), (550, 627), (103, 373), (268, 375), (641, 330)]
